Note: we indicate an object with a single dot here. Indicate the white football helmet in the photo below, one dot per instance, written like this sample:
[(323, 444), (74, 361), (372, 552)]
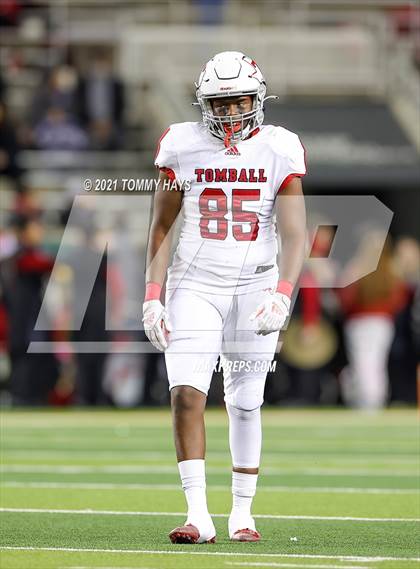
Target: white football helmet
[(231, 74)]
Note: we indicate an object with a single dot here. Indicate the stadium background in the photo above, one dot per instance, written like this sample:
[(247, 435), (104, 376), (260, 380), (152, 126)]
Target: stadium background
[(86, 90)]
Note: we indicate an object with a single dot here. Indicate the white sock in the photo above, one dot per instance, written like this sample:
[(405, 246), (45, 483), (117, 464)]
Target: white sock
[(243, 489), (193, 478)]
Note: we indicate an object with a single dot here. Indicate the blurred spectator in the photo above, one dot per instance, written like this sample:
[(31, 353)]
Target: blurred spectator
[(23, 277), (104, 135), (2, 88), (124, 378), (28, 202), (407, 260), (210, 12), (58, 131), (415, 326), (59, 92), (90, 366), (101, 96), (405, 19), (402, 360), (9, 148), (9, 12), (8, 248), (370, 305)]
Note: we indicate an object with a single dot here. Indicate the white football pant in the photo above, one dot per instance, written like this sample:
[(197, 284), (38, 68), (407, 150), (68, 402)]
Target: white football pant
[(205, 326)]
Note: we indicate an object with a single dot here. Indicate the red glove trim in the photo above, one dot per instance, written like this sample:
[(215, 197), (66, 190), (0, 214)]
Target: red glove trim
[(285, 287), (153, 291)]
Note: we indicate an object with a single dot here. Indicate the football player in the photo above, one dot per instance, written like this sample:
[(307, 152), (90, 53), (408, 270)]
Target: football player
[(224, 295)]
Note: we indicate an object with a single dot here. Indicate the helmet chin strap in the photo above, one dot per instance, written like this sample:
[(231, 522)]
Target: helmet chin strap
[(226, 140), (230, 131)]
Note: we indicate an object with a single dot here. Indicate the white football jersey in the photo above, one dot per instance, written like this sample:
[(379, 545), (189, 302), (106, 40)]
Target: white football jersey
[(228, 242)]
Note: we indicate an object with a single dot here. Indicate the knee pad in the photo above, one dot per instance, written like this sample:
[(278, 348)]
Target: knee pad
[(245, 393), (242, 414)]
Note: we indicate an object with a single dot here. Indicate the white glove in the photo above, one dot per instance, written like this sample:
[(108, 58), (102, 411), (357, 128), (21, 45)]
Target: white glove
[(271, 314), (156, 324)]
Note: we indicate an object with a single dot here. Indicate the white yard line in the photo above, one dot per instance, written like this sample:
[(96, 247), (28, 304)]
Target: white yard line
[(220, 488), (292, 565), (240, 564), (210, 553), (261, 516), (157, 469)]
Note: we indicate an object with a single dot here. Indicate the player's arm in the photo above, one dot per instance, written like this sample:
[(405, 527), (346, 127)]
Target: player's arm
[(291, 224), (271, 315), (166, 207)]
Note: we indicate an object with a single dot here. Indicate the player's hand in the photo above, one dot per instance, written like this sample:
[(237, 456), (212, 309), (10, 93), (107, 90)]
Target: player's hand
[(271, 314), (156, 324)]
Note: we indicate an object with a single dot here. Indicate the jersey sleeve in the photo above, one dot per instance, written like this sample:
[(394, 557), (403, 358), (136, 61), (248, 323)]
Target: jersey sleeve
[(293, 161), (166, 157)]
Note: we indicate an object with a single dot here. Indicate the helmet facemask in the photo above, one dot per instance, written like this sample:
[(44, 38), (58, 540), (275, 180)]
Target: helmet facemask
[(232, 128)]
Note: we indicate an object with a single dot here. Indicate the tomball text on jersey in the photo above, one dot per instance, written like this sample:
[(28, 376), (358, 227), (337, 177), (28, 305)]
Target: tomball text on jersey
[(228, 241)]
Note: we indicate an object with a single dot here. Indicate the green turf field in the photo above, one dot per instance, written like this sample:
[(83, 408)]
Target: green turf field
[(101, 489)]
